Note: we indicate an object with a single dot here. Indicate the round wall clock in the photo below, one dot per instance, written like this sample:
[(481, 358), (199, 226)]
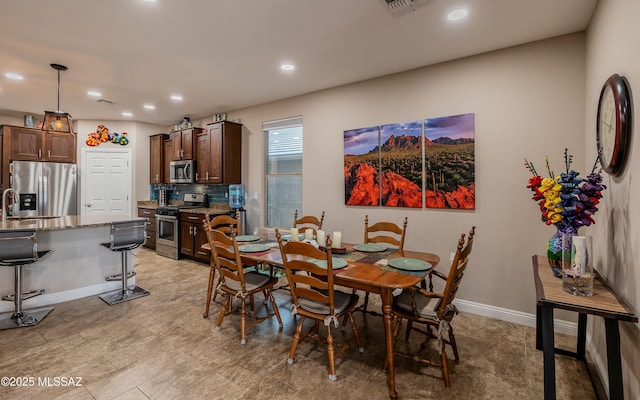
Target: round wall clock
[(613, 126)]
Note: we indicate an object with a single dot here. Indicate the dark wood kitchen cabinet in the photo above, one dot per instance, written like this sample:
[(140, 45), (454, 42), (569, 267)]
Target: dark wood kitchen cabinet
[(156, 157), (167, 147), (184, 143), (219, 153), (150, 214), (193, 236), (30, 144)]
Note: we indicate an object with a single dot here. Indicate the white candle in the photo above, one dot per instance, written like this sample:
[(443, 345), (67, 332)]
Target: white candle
[(337, 240), (308, 234), (294, 234), (321, 238)]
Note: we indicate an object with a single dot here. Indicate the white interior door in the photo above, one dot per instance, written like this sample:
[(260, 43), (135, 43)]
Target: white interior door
[(105, 182)]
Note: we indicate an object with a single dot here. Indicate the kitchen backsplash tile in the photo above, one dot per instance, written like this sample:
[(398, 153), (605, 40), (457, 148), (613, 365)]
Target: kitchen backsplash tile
[(215, 193)]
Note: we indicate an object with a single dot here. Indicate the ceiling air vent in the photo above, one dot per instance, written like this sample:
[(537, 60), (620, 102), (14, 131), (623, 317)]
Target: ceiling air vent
[(106, 101), (399, 7)]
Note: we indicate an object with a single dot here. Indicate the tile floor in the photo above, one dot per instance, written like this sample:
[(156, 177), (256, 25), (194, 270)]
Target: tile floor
[(160, 347)]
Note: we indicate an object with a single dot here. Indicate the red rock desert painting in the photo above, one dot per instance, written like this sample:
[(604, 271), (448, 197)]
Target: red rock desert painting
[(396, 165)]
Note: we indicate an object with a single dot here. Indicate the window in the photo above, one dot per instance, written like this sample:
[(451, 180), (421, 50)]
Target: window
[(284, 170)]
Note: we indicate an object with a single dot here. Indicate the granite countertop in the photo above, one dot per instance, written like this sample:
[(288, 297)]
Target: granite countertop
[(213, 209), (65, 222), (153, 204), (210, 211)]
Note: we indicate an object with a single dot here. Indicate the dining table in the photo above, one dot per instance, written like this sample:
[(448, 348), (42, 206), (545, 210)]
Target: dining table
[(366, 270)]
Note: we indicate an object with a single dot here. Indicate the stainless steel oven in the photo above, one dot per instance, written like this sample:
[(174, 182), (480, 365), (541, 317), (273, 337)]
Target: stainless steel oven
[(168, 223), (167, 235)]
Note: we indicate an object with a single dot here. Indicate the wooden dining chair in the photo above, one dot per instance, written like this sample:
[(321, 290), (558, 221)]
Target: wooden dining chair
[(230, 226), (434, 310), (314, 297), (234, 282), (387, 233), (307, 222)]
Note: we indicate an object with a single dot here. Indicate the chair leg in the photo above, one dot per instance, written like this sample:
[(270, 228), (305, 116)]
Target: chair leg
[(296, 340), (408, 331), (275, 307), (445, 366), (331, 355), (452, 341), (356, 333), (210, 291), (366, 301), (243, 322), (223, 310)]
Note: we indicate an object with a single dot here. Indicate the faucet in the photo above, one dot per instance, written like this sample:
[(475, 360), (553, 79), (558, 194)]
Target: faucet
[(14, 198)]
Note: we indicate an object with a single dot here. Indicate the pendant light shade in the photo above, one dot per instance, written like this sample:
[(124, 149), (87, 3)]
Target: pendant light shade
[(57, 121)]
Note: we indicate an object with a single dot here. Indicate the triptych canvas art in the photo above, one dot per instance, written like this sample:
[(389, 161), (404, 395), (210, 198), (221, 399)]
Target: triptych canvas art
[(425, 163)]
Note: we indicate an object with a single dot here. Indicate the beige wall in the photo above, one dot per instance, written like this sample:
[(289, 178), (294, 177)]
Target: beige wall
[(611, 47), (528, 102)]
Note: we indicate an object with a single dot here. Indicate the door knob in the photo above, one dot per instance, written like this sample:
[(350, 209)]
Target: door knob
[(88, 205)]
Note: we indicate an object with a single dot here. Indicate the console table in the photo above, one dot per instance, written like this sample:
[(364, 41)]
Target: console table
[(603, 303)]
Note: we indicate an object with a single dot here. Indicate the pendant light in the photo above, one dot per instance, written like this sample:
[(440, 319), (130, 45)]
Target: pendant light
[(58, 121)]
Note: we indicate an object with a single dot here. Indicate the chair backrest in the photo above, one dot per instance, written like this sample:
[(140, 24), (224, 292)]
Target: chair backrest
[(458, 266), (307, 222), (225, 255), (18, 245), (306, 279), (225, 223), (385, 232), (128, 234)]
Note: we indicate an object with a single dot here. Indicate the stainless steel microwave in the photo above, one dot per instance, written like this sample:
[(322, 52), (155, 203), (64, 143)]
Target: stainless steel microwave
[(182, 171)]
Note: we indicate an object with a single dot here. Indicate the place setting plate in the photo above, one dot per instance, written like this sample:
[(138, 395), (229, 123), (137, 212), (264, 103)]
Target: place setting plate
[(253, 248), (369, 248), (408, 264), (337, 263), (286, 238), (247, 238)]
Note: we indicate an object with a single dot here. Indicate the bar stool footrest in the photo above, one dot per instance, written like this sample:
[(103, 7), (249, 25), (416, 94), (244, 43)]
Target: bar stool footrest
[(117, 277), (26, 318), (120, 296), (25, 295)]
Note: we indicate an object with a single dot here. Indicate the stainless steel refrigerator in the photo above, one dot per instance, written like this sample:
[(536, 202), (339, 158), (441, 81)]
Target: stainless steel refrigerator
[(44, 189)]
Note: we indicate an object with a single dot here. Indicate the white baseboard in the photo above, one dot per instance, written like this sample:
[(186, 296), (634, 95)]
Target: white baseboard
[(518, 317), (67, 295)]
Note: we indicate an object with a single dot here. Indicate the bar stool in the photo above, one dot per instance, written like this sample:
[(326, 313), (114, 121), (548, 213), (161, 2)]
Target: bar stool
[(19, 248), (125, 236)]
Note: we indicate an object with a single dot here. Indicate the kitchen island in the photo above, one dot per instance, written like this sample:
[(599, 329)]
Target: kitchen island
[(77, 265)]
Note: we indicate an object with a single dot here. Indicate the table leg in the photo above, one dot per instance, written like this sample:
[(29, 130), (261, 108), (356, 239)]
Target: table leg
[(548, 348), (613, 359), (538, 327), (387, 298), (582, 336)]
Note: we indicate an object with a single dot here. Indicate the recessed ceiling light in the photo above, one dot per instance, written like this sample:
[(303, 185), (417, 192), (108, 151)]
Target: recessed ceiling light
[(149, 1), (176, 97), (15, 76), (458, 14), (94, 93), (149, 107), (127, 114), (287, 67)]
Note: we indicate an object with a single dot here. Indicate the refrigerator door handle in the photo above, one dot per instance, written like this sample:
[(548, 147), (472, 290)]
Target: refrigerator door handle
[(44, 197)]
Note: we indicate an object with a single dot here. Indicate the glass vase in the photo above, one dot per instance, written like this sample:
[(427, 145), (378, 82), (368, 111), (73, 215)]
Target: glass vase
[(577, 266), (557, 248)]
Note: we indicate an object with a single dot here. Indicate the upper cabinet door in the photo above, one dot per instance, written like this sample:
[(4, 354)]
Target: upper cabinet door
[(26, 144), (156, 158), (60, 147)]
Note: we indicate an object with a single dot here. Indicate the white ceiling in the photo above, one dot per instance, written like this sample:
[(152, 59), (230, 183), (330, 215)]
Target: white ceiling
[(222, 55)]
